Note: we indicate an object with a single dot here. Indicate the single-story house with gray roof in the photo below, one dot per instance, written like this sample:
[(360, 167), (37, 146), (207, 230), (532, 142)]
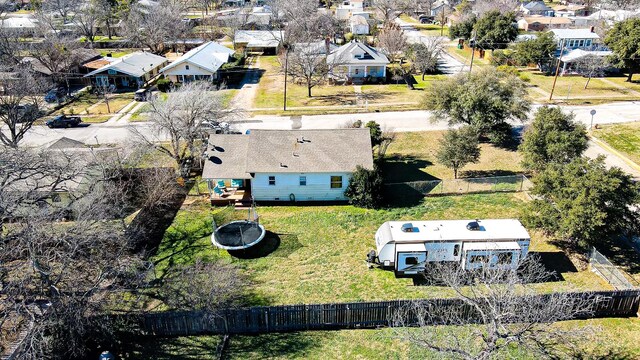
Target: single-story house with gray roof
[(131, 71), (284, 165), (357, 60)]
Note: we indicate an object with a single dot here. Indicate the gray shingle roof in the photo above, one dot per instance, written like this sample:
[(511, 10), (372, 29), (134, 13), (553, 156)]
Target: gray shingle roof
[(346, 55), (288, 151), (136, 64)]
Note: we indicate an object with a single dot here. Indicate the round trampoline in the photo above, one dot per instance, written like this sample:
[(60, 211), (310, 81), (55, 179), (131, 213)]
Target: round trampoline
[(238, 235)]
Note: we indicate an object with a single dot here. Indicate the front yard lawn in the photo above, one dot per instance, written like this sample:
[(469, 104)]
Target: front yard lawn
[(622, 137), (572, 87), (270, 94), (89, 104), (412, 157)]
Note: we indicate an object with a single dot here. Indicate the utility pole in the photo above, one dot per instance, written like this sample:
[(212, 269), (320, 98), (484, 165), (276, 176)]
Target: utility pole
[(286, 70), (557, 70), (473, 49)]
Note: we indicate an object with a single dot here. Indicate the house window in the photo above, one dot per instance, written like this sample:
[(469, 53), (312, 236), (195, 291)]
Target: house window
[(111, 72), (357, 71), (570, 43), (456, 250), (336, 182), (411, 260), (272, 180), (478, 259), (587, 42), (186, 67), (581, 43), (303, 181)]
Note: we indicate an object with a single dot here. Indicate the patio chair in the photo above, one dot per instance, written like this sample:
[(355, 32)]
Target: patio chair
[(236, 183), (221, 185)]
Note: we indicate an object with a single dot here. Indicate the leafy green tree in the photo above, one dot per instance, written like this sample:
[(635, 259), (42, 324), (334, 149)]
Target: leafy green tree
[(485, 99), (583, 202), (365, 188), (495, 30), (458, 148), (552, 137), (463, 28), (539, 51), (375, 131), (624, 40)]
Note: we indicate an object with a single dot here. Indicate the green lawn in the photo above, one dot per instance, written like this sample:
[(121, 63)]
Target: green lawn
[(321, 251), (369, 344), (116, 53), (413, 158), (572, 87), (270, 93), (622, 137), (89, 104)]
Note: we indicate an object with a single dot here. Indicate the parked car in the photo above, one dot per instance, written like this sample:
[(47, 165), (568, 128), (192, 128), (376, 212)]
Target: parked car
[(56, 95), (426, 19), (142, 95), (64, 121)]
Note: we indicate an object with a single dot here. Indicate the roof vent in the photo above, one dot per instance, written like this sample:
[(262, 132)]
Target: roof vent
[(408, 227), (473, 226), (283, 165)]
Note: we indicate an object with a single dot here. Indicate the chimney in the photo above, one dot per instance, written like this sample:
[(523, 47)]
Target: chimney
[(592, 29)]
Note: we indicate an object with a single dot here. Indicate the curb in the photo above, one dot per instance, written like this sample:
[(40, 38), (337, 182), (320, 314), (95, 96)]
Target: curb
[(615, 152)]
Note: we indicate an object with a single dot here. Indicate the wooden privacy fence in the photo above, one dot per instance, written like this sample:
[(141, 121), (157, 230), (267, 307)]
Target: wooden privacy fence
[(266, 319)]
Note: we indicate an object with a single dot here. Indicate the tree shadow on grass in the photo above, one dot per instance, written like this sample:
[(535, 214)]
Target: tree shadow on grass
[(485, 173), (268, 346), (161, 348), (555, 262), (621, 254), (403, 168)]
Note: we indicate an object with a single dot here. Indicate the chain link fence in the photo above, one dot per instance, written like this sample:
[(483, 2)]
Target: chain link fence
[(605, 269), (508, 183)]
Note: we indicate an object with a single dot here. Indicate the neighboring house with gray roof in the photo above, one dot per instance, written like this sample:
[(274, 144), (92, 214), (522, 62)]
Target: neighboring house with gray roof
[(286, 165), (258, 41), (356, 60), (201, 63), (131, 71), (536, 8)]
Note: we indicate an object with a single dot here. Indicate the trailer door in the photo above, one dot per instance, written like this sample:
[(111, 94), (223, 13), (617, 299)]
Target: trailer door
[(410, 258)]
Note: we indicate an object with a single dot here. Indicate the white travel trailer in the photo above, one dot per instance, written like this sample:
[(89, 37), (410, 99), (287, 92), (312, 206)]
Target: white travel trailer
[(408, 246)]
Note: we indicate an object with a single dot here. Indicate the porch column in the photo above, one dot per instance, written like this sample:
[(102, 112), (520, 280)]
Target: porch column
[(564, 67), (365, 70), (384, 71), (349, 71)]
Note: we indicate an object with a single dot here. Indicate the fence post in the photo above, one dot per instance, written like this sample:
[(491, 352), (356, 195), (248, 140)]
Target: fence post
[(521, 182)]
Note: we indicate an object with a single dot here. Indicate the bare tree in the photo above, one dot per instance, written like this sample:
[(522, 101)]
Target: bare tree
[(154, 26), (20, 104), (56, 275), (393, 43), (65, 10), (88, 18), (503, 6), (591, 66), (202, 286), (504, 306), (105, 90), (181, 117), (425, 55), (58, 54), (390, 9)]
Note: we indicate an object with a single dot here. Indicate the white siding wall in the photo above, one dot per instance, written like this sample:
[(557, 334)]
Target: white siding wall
[(182, 70), (318, 187)]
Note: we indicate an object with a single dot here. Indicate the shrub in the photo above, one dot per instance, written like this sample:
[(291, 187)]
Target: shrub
[(163, 85), (365, 188), (502, 58)]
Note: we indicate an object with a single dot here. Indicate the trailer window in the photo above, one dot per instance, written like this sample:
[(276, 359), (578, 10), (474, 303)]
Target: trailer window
[(456, 250), (411, 260), (505, 258), (475, 259)]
